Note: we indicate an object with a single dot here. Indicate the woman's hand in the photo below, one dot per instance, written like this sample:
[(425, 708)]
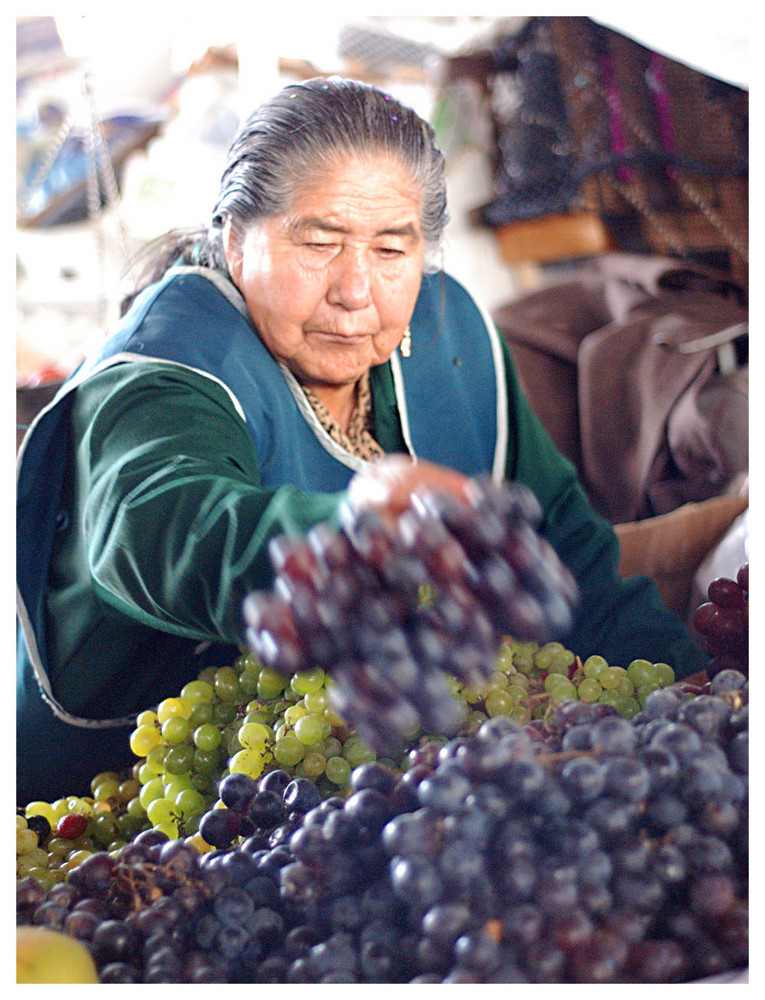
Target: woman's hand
[(388, 485)]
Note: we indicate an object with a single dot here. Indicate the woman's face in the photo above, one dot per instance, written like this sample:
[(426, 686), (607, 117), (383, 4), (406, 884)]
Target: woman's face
[(331, 284)]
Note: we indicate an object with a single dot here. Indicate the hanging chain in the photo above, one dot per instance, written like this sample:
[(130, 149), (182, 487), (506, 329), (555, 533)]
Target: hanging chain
[(43, 167), (101, 172)]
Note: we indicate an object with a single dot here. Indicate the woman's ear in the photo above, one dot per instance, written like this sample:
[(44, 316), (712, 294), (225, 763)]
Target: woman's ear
[(232, 249)]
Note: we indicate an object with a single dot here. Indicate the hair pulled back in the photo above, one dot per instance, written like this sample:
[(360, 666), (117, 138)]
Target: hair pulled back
[(297, 132)]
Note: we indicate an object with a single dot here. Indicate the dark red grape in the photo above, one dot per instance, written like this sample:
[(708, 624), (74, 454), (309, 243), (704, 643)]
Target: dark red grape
[(726, 593), (703, 615)]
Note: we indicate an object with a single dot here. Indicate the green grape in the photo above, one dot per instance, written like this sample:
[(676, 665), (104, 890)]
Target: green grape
[(307, 682), (545, 655), (135, 809), (250, 761), (338, 770), (155, 758), (130, 826), (310, 729), (204, 783), (565, 691), (143, 738), (594, 666), (629, 707), (201, 714), (497, 680), (206, 761), (316, 701), (270, 684), (207, 737), (190, 802), (173, 708), (38, 808), (610, 678), (175, 784), (641, 672), (356, 752), (104, 827), (260, 715), (642, 692), (198, 692), (226, 684), (106, 788), (561, 662), (589, 689), (224, 713), (175, 730), (471, 695), (474, 719), (498, 702), (665, 675), (249, 664), (248, 685), (295, 712), (288, 750), (253, 735), (504, 658), (611, 697), (26, 840), (330, 747), (625, 686), (207, 675), (179, 758), (151, 791), (313, 764)]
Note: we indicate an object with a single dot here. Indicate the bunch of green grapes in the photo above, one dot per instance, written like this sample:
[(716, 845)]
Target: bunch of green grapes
[(530, 679), (246, 718), (52, 838)]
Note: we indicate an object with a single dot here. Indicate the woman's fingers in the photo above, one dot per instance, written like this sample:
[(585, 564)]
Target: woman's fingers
[(391, 483)]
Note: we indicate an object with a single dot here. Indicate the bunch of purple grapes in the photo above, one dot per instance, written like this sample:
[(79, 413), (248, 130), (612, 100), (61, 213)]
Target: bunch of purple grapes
[(391, 609), (723, 622)]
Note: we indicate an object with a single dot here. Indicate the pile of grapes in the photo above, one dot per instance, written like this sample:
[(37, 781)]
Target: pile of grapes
[(246, 718), (723, 622), (393, 608), (386, 787), (584, 848)]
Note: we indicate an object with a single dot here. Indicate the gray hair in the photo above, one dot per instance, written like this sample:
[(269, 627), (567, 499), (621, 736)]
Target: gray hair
[(306, 126), (303, 128)]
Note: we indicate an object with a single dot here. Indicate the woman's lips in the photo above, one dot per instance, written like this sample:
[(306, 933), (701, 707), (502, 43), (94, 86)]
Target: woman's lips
[(340, 338)]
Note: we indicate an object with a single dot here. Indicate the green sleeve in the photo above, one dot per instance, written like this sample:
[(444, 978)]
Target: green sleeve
[(620, 619), (176, 520)]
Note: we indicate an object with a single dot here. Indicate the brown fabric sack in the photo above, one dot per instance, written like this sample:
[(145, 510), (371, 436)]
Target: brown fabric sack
[(638, 368)]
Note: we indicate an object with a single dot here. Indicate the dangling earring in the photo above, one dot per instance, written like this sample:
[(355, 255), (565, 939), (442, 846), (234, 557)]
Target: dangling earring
[(406, 343)]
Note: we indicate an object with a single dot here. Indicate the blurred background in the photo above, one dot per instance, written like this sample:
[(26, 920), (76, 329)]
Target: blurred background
[(565, 137)]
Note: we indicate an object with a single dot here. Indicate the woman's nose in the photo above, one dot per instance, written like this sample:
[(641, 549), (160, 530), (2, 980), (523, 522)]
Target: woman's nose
[(350, 281)]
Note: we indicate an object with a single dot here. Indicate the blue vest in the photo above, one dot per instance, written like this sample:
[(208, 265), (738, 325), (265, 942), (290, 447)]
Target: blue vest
[(451, 397)]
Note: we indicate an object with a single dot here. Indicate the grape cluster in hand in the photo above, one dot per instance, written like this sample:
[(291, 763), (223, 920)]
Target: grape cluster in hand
[(723, 621), (392, 609)]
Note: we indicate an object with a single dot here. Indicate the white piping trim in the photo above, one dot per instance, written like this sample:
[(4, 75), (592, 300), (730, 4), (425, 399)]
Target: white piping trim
[(500, 451), (21, 610), (400, 390), (44, 684)]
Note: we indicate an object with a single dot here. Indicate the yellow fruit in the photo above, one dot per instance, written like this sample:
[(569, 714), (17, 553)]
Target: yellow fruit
[(47, 956)]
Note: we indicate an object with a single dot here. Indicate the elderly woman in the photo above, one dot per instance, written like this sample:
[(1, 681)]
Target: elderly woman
[(265, 367)]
